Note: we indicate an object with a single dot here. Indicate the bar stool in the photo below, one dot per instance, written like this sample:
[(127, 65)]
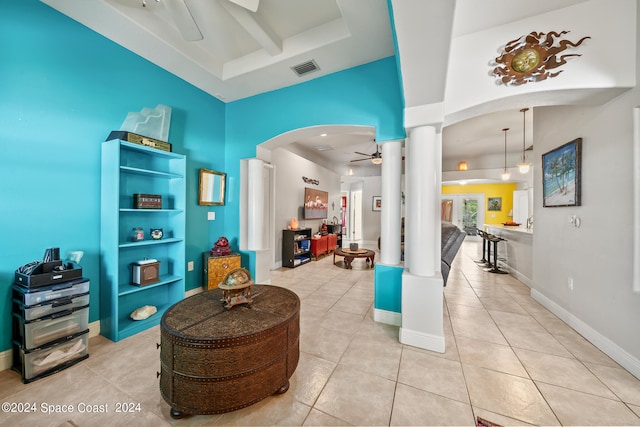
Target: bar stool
[(482, 234), (495, 269)]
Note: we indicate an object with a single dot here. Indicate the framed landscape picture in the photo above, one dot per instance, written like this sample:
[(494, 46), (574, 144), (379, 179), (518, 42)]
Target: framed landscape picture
[(494, 204), (561, 171)]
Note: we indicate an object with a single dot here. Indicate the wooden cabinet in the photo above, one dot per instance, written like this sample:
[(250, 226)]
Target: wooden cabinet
[(215, 268), (323, 245), (296, 247), (319, 246), (332, 242), (337, 230), (129, 169)]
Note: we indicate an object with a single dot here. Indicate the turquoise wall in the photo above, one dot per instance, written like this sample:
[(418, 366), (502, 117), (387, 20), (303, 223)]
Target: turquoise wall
[(63, 88), (388, 288), (366, 95)]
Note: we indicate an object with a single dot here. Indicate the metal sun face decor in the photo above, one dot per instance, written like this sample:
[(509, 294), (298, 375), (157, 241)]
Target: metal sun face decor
[(531, 58)]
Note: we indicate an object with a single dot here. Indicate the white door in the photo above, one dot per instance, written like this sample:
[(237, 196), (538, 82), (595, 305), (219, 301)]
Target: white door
[(356, 215), (466, 211)]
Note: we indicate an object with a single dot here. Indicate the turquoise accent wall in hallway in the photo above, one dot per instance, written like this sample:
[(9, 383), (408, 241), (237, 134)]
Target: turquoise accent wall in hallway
[(388, 288), (63, 88)]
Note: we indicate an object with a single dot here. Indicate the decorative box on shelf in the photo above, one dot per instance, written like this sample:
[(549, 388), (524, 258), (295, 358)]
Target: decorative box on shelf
[(145, 272), (147, 201), (139, 139)]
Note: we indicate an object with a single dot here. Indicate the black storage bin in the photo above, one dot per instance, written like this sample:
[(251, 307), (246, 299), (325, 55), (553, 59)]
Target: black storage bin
[(46, 274)]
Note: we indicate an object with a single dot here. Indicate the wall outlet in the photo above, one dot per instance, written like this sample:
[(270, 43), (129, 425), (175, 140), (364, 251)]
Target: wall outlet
[(190, 266), (570, 283)]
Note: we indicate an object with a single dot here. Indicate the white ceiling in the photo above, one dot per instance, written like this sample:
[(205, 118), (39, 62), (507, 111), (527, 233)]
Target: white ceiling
[(242, 53)]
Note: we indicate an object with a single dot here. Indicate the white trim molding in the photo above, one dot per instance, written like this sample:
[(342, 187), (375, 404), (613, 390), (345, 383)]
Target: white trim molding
[(636, 199), (387, 317), (611, 349)]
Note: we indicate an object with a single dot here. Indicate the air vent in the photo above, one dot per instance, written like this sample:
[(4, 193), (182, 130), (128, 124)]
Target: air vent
[(305, 68)]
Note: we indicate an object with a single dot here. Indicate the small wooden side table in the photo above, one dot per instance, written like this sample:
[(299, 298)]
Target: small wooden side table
[(215, 268), (349, 256), (215, 360)]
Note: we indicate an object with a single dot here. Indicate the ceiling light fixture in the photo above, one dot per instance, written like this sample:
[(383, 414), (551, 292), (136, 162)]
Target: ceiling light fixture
[(462, 166), (505, 173), (523, 166), (376, 159)]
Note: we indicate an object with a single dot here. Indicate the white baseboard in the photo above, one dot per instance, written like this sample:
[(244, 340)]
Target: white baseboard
[(6, 360), (192, 292), (387, 317), (422, 340), (611, 349), (521, 277)]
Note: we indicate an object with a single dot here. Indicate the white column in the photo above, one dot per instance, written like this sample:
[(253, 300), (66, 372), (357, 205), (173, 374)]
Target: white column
[(423, 193), (390, 217), (422, 291), (255, 205)]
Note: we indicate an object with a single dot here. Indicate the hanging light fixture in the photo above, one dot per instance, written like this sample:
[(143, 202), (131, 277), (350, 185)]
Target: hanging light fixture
[(505, 173), (523, 166)]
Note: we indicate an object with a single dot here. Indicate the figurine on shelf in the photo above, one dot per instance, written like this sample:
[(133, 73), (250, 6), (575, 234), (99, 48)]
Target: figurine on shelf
[(221, 247), (323, 229)]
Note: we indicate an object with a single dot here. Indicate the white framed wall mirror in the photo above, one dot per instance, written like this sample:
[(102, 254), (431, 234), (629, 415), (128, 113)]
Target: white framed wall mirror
[(211, 188)]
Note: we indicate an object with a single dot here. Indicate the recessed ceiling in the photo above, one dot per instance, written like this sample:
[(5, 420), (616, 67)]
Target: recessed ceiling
[(241, 53), (236, 53)]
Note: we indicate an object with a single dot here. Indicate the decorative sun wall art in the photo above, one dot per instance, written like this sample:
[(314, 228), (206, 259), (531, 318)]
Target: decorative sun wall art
[(531, 58)]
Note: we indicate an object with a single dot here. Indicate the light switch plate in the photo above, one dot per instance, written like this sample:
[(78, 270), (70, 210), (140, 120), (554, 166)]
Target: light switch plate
[(211, 216)]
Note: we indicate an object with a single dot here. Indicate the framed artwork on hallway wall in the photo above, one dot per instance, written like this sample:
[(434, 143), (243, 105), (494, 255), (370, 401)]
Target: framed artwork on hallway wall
[(494, 204), (561, 173), (376, 203)]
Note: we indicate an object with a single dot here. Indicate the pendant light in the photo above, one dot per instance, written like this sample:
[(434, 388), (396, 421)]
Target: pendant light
[(505, 173), (523, 166)]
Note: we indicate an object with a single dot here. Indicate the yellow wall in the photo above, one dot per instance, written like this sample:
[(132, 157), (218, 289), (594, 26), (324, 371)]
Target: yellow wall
[(490, 190)]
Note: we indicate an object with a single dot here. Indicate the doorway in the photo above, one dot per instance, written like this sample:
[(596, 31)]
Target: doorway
[(466, 211), (356, 216)]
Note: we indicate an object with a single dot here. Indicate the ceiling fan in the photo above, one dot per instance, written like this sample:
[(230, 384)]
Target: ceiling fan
[(184, 18), (375, 158)]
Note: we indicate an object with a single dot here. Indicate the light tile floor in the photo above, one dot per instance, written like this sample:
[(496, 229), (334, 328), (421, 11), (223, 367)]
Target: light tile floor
[(507, 359)]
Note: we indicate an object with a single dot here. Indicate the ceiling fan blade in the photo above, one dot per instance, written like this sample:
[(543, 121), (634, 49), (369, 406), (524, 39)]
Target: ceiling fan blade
[(362, 154), (184, 20), (359, 160), (251, 5)]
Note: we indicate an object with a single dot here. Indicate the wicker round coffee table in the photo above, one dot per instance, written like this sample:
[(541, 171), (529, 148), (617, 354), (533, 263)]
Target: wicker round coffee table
[(350, 255), (216, 360)]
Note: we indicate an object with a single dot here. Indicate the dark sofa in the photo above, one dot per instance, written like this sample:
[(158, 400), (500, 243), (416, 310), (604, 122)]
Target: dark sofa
[(452, 238)]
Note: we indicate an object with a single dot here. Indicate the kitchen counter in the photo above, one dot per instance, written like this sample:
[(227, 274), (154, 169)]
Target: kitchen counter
[(515, 254), (518, 229)]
